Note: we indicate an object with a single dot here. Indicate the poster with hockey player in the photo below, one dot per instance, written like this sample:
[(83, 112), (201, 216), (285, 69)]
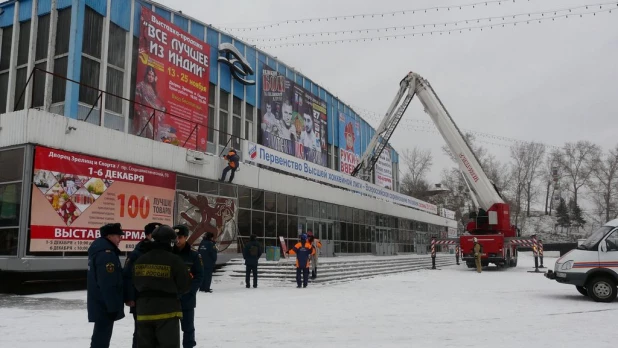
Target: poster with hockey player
[(349, 143), (293, 120)]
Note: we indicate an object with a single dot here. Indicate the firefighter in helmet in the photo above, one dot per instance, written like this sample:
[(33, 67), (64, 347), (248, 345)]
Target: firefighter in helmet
[(478, 251)]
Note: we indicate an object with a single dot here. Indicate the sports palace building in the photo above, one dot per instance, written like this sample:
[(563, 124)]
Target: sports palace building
[(121, 110)]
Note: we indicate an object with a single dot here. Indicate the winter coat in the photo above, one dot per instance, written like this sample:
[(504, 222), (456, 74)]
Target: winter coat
[(160, 278), (208, 250), (232, 159), (478, 250), (104, 282), (317, 245), (130, 294), (303, 252), (195, 266), (252, 252)]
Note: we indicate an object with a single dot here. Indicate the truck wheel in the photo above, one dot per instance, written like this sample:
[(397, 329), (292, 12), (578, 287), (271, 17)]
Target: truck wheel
[(470, 264), (582, 290), (601, 289)]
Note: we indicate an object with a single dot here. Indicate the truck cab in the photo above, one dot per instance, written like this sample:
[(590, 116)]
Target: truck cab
[(592, 266)]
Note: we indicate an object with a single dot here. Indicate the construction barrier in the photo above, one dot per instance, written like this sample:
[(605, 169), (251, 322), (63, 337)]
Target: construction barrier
[(433, 252), (541, 253)]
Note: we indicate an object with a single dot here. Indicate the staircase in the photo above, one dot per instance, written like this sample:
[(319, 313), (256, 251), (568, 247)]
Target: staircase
[(338, 269)]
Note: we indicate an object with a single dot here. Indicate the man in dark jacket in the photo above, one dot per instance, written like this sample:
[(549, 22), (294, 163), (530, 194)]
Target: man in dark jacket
[(160, 278), (208, 250), (104, 284), (193, 262), (129, 289), (232, 160), (251, 253)]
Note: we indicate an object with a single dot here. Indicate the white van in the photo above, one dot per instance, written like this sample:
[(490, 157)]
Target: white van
[(592, 266)]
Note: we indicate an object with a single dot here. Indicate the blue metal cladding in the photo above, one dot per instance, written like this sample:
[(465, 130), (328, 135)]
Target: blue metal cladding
[(239, 88), (258, 76), (251, 89), (6, 19), (181, 21), (99, 6), (64, 4), (212, 38), (281, 69), (307, 85), (25, 10), (299, 79), (225, 77), (44, 7), (74, 63), (136, 18), (289, 74), (120, 13), (197, 30), (163, 13), (314, 89)]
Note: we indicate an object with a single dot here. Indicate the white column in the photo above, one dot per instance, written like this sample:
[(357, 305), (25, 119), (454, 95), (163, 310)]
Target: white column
[(128, 70), (103, 67), (51, 52), (10, 102), (34, 24)]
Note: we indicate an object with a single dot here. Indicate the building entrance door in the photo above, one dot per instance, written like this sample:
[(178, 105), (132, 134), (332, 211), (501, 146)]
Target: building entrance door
[(324, 231), (421, 241)]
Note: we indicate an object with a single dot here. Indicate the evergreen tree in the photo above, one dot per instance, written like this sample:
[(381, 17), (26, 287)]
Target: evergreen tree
[(576, 215), (562, 213)]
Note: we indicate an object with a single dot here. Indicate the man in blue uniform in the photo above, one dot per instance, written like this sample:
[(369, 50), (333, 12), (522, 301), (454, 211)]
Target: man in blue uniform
[(193, 261), (251, 253), (303, 251), (104, 284), (208, 250), (130, 294)]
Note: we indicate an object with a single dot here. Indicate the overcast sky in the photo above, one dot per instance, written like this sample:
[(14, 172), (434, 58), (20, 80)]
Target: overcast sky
[(552, 82)]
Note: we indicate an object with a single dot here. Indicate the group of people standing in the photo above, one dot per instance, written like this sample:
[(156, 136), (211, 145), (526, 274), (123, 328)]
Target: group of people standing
[(158, 282)]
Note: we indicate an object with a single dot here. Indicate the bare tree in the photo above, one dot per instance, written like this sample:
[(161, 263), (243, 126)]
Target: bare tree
[(419, 162), (519, 175), (605, 182), (577, 162), (551, 173), (535, 154)]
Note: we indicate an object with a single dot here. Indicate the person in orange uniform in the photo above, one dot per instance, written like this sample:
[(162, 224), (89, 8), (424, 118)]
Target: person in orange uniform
[(317, 245), (232, 164), (303, 251)]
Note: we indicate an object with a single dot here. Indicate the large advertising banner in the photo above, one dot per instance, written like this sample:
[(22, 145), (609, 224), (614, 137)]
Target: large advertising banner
[(73, 195), (384, 170), (259, 154), (203, 213), (349, 143), (173, 72), (293, 119)]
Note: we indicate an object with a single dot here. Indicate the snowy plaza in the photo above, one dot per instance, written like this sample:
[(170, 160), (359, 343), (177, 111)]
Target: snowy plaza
[(450, 307)]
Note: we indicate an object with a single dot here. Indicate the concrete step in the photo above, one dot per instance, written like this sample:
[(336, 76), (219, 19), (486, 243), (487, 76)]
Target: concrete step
[(334, 263)]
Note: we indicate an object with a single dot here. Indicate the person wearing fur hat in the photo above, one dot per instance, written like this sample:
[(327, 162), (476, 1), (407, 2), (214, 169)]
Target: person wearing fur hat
[(105, 285), (130, 294), (193, 262)]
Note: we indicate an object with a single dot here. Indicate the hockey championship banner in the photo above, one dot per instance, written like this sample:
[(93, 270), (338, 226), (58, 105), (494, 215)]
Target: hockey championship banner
[(293, 120), (73, 195), (349, 143), (259, 154), (173, 75), (384, 170)]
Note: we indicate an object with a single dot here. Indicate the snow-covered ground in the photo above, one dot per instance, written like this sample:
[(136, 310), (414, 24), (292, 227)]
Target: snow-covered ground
[(451, 307)]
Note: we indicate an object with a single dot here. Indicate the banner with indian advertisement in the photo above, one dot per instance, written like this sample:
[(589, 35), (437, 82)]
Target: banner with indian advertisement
[(203, 213), (173, 72), (293, 120), (349, 143), (73, 195), (384, 170)]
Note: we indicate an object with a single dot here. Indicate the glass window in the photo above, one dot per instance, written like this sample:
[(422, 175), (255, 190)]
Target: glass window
[(282, 225), (117, 44), (224, 102), (244, 222), (292, 227), (209, 187), (342, 213), (612, 241), (10, 201), (38, 85), (237, 106), (271, 225), (309, 208), (24, 43), (115, 86), (323, 214), (236, 122), (8, 241), (42, 42), (90, 77), (356, 218), (63, 32), (227, 190), (292, 206), (248, 112), (282, 203), (93, 32), (301, 207), (5, 57), (211, 124), (185, 183), (20, 85), (244, 197), (316, 209), (11, 162), (270, 201), (223, 133), (4, 88), (258, 199), (257, 223), (61, 69)]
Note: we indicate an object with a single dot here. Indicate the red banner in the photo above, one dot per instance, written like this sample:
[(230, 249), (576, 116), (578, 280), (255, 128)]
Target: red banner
[(173, 74), (73, 195)]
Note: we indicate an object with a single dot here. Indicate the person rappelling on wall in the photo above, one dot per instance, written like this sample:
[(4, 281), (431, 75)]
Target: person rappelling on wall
[(233, 163)]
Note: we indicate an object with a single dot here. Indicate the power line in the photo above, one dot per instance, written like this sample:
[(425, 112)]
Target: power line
[(395, 28), (432, 32), (369, 15)]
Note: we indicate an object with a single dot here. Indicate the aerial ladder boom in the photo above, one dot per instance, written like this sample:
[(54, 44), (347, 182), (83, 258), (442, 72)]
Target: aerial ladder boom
[(491, 205)]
